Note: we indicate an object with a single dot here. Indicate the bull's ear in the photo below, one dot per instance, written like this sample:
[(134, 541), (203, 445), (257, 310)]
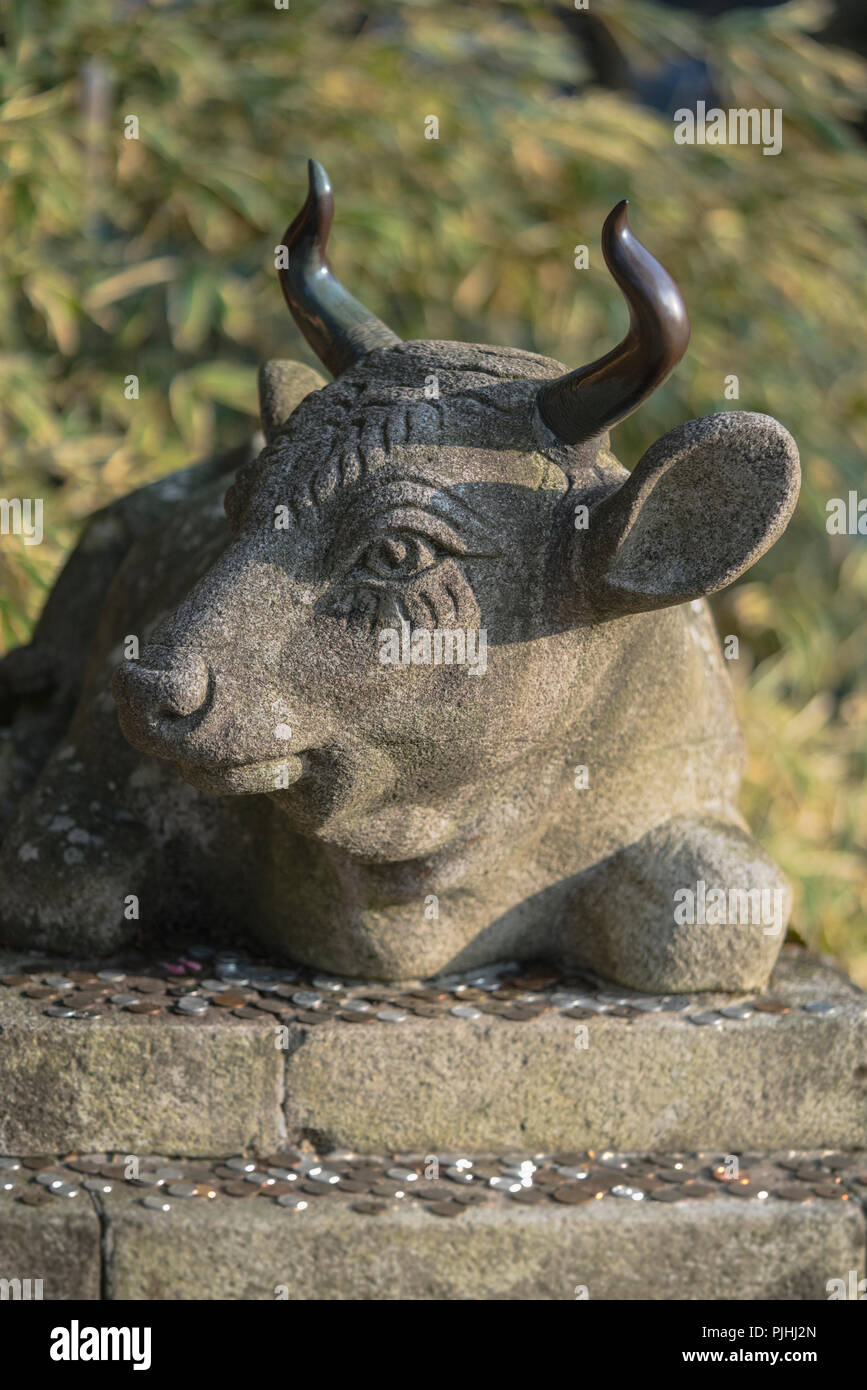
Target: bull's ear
[(283, 386), (701, 506)]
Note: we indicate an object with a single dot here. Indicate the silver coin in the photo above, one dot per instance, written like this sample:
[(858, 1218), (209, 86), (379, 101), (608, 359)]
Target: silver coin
[(9, 1165), (156, 1203), (593, 1006), (52, 1179), (328, 983), (577, 1174), (214, 986), (290, 1200), (59, 1011), (122, 1000), (465, 1011), (169, 1174), (192, 1004), (568, 999), (183, 1189), (708, 1017), (739, 1011), (241, 1165), (647, 1006), (357, 1006), (111, 977), (263, 1179), (306, 999), (621, 1190), (520, 1170), (675, 1003), (58, 981), (392, 1015), (146, 1180), (459, 1175), (821, 1006), (282, 1174), (66, 1189), (506, 1184), (7, 1184), (97, 1185), (402, 1174), (324, 1175), (309, 1165)]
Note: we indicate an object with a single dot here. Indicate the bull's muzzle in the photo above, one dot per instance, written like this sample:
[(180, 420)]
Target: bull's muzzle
[(161, 698)]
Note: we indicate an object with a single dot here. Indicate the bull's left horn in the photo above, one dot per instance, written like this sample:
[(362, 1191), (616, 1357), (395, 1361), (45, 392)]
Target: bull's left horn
[(587, 402), (337, 327)]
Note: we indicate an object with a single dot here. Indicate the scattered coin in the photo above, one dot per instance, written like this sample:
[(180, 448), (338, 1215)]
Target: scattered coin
[(123, 1000), (239, 1189), (294, 1203), (183, 1189), (112, 977), (447, 1208), (793, 1192), (528, 1196), (59, 1011), (738, 1011), (12, 980), (821, 1006), (156, 1203), (10, 1165), (390, 1015), (38, 1162), (241, 1164), (306, 999), (369, 1206), (98, 1185), (145, 1007), (573, 1194), (624, 1190), (709, 1017), (35, 1197), (229, 999), (192, 1004), (771, 1006), (58, 981)]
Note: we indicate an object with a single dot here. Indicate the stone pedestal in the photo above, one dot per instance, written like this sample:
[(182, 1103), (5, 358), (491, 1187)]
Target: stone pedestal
[(575, 1074)]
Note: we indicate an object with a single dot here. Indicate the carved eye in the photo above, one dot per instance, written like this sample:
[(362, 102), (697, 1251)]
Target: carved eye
[(399, 557)]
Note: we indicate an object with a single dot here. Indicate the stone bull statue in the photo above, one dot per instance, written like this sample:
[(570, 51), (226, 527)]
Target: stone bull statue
[(438, 688)]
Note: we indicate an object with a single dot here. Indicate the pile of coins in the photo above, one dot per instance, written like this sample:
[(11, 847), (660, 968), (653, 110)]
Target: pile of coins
[(203, 985), (445, 1184)]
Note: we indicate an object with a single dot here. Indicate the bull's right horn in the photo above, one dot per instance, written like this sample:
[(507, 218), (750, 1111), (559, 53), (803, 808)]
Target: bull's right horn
[(338, 328)]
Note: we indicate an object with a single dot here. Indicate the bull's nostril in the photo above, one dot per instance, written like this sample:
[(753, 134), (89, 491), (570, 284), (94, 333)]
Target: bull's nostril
[(162, 691)]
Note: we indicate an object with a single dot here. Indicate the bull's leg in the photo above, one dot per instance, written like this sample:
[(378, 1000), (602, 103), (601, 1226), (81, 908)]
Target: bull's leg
[(649, 917)]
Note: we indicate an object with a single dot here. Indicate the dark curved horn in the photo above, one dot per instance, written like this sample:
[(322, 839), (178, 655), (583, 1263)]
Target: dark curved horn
[(337, 327), (592, 399)]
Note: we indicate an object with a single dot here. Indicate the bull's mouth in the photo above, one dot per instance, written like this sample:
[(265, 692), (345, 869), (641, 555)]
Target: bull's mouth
[(245, 779)]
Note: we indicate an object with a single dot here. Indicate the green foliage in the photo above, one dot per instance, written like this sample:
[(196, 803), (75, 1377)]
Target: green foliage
[(154, 258)]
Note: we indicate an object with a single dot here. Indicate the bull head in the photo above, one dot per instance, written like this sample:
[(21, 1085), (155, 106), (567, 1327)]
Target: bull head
[(454, 512)]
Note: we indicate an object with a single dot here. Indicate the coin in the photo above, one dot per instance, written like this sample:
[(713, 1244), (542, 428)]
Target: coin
[(58, 981), (192, 1004), (390, 1015), (771, 1006), (738, 1011), (38, 1162), (793, 1192), (156, 1203), (388, 1189), (821, 1006), (123, 1000), (466, 1011), (230, 999), (51, 1179), (169, 1174), (111, 977), (59, 1011), (12, 980), (98, 1185), (830, 1189), (10, 1165), (183, 1189), (239, 1189), (709, 1017), (271, 1006), (528, 1196), (326, 1176), (36, 1197), (447, 1208), (145, 1007), (294, 1203), (306, 999), (836, 1162), (247, 1013), (39, 992), (573, 1194), (635, 1194)]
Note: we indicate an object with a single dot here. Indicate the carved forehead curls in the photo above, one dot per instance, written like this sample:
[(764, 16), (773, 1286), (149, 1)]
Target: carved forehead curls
[(337, 327), (587, 402)]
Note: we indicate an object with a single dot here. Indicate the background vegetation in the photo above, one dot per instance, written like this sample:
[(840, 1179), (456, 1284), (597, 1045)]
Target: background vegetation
[(155, 257)]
